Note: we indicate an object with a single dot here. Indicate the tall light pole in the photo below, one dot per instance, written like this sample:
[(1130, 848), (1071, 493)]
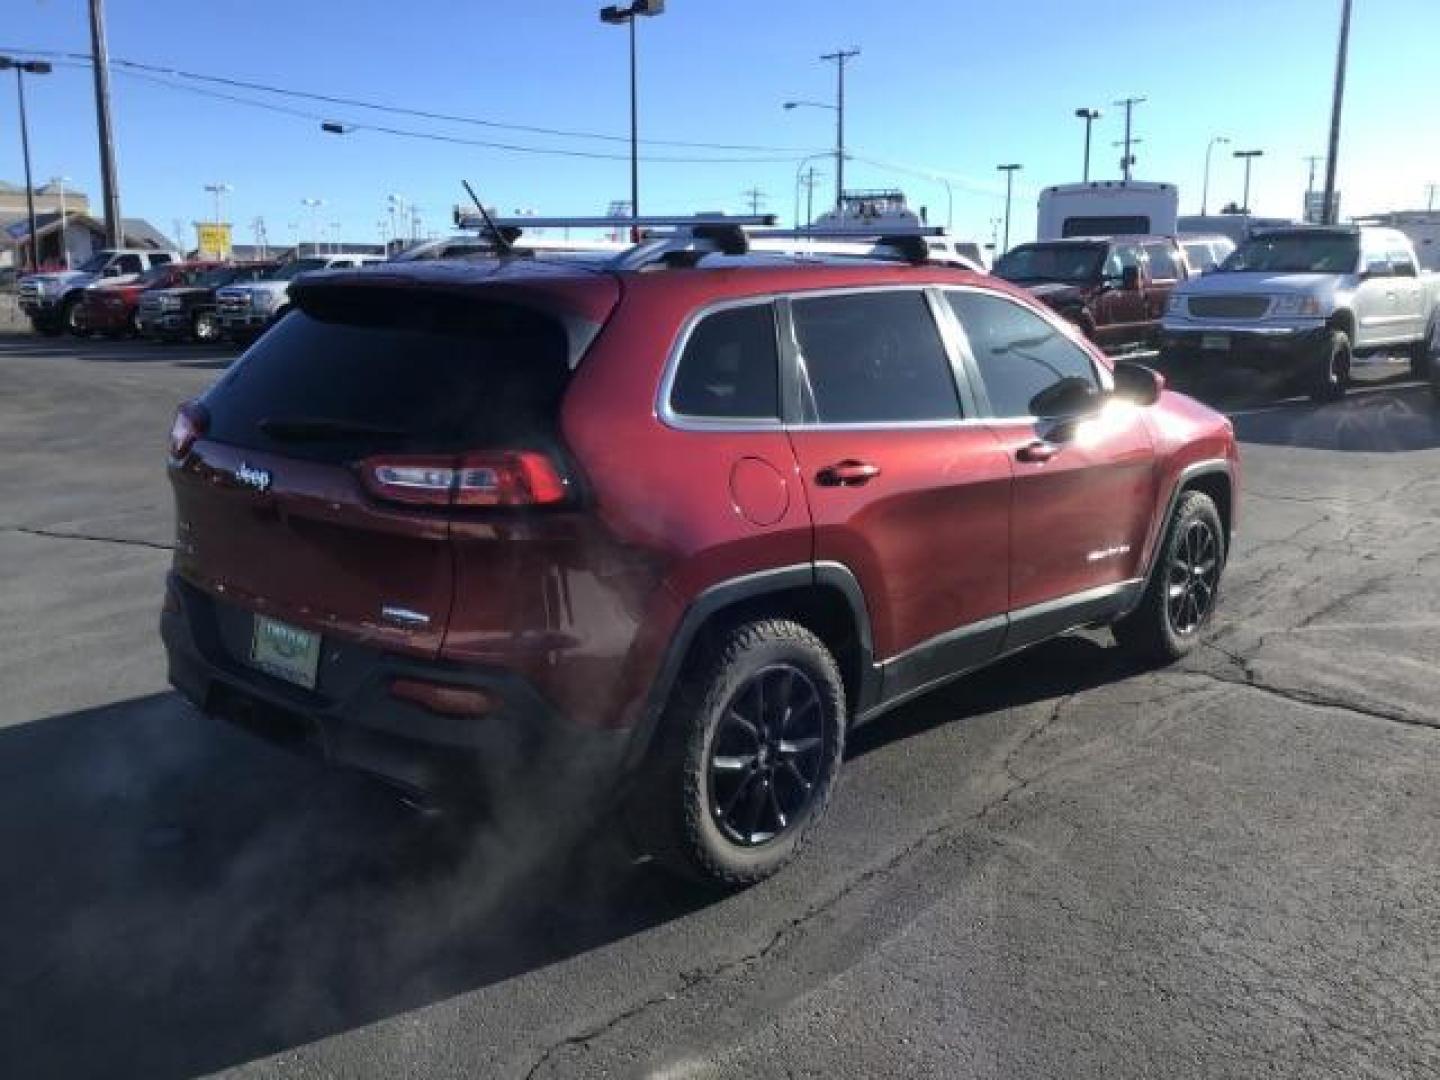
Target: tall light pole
[(614, 15), (1009, 171), (22, 68), (313, 205), (219, 189), (841, 57), (1430, 190), (800, 168), (1128, 161), (109, 185), (1089, 116), (1329, 212), (1205, 189), (1249, 157), (60, 182)]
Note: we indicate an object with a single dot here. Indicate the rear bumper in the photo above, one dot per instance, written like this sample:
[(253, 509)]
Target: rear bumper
[(351, 718)]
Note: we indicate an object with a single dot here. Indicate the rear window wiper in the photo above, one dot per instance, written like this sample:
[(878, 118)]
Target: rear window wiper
[(302, 428)]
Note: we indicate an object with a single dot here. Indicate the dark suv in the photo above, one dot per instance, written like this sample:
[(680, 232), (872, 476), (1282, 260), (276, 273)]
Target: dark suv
[(678, 523), (1114, 288)]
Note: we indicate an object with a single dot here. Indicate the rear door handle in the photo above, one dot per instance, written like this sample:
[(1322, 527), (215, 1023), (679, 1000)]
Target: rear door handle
[(1039, 450), (847, 473)]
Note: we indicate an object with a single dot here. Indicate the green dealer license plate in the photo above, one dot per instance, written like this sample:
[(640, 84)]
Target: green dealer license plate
[(285, 651)]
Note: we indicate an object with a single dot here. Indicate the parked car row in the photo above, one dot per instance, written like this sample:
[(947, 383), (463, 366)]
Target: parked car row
[(1115, 288), (157, 295)]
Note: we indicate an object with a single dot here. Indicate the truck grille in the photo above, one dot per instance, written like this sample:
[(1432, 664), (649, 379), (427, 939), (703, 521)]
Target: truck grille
[(233, 304), (1229, 307), (152, 305), (29, 290)]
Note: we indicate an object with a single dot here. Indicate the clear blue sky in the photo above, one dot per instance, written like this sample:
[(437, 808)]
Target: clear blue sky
[(952, 86)]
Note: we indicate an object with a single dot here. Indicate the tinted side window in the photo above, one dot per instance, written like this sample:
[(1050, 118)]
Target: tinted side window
[(1163, 266), (160, 259), (1401, 263), (730, 367), (128, 264), (874, 357), (1019, 354)]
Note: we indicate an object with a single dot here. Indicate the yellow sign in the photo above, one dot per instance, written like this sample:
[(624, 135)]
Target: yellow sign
[(213, 239)]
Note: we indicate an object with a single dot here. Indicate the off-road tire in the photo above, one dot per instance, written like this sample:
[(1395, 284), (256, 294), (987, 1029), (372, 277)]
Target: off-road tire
[(1149, 632), (671, 816), (1331, 372)]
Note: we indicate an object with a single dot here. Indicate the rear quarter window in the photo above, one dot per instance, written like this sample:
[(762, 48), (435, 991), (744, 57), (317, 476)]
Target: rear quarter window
[(729, 368)]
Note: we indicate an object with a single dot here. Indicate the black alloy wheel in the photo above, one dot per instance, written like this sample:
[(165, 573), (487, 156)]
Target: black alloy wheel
[(1192, 577), (768, 755)]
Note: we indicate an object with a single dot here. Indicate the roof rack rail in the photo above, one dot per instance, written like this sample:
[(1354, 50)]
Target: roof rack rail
[(683, 240)]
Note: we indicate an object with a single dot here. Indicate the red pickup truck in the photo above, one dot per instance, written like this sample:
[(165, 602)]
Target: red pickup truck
[(1114, 288), (113, 309)]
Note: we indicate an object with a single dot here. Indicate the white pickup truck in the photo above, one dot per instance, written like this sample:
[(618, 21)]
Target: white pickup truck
[(50, 300), (1305, 301)]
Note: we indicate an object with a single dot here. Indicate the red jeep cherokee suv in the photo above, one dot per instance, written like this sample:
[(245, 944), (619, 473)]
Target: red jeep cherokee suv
[(678, 523)]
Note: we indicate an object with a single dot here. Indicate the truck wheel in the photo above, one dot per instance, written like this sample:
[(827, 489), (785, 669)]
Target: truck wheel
[(204, 328), (1183, 587), (1421, 352), (49, 329), (1332, 368), (746, 758), (70, 317)]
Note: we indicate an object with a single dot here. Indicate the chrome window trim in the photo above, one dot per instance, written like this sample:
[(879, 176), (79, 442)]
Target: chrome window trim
[(686, 422)]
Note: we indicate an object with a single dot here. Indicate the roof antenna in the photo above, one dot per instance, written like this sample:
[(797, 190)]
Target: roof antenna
[(504, 238)]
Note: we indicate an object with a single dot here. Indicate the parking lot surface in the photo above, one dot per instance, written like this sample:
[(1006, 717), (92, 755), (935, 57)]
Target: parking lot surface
[(1061, 867)]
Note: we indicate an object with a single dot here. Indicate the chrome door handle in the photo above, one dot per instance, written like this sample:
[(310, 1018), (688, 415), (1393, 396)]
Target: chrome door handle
[(847, 473), (1037, 451)]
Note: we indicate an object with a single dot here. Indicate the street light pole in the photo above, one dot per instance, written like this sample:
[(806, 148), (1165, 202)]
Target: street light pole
[(1089, 116), (1329, 213), (313, 205), (1249, 156), (61, 181), (841, 57), (1009, 171), (613, 15), (33, 67), (1205, 189)]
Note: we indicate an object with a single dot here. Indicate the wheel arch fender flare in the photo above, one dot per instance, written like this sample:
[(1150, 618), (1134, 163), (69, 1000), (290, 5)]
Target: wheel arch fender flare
[(745, 595), (1219, 468)]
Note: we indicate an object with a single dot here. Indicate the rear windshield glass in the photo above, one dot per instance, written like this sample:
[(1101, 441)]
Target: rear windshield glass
[(362, 373)]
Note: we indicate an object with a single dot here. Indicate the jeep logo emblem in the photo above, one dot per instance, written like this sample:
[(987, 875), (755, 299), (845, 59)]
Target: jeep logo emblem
[(250, 476)]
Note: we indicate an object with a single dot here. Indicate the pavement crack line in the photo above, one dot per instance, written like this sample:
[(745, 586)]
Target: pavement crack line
[(57, 534), (1319, 701), (936, 834)]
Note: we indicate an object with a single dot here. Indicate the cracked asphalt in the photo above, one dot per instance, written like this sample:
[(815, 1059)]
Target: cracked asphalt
[(1063, 866)]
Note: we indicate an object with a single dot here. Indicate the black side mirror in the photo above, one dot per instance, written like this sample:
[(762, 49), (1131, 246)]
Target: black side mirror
[(110, 271), (1130, 279), (1138, 383), (1378, 268), (1070, 397)]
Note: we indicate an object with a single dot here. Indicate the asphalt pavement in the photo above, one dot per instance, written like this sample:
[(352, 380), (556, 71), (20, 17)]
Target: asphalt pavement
[(1064, 866)]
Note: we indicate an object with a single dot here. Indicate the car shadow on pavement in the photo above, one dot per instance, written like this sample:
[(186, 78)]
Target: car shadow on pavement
[(1066, 665), (1382, 421), (180, 897)]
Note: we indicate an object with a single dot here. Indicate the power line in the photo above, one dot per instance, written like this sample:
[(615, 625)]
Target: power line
[(411, 133), (134, 66)]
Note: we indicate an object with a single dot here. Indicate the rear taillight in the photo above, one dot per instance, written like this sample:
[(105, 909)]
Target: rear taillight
[(191, 420), (509, 478)]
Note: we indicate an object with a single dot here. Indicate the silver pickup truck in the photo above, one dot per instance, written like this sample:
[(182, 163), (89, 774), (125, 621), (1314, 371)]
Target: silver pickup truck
[(1303, 303), (243, 311)]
